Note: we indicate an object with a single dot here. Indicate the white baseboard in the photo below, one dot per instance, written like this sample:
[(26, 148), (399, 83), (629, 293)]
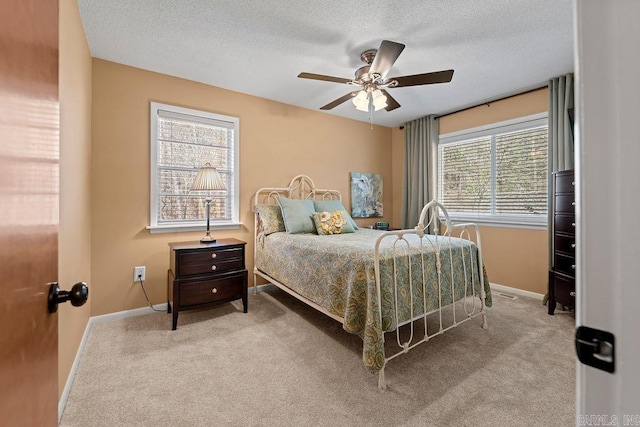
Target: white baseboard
[(92, 321), (515, 291), (67, 387), (127, 313)]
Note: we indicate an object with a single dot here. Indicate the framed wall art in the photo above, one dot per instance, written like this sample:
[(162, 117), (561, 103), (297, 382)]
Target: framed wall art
[(366, 195)]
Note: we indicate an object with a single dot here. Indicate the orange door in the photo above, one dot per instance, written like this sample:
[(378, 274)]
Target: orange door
[(29, 152)]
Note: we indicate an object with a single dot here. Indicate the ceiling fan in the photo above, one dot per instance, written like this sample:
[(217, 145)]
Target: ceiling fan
[(373, 82)]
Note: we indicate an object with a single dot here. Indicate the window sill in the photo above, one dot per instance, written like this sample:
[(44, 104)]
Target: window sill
[(173, 228), (498, 222)]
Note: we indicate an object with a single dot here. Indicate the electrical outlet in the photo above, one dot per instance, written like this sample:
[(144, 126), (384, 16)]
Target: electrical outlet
[(139, 273)]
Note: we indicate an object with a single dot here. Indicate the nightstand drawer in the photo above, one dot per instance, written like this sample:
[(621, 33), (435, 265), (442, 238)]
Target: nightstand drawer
[(205, 256), (565, 244), (205, 291), (564, 290), (564, 264), (565, 224), (566, 204), (565, 183), (212, 266)]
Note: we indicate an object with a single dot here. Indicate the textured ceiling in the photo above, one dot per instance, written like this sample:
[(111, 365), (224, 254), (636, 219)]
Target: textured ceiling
[(496, 47)]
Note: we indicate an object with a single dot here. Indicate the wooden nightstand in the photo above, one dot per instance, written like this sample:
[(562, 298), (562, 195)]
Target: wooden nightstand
[(205, 274)]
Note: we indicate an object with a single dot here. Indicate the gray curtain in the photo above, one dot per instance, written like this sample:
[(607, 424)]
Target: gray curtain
[(561, 114), (419, 183), (561, 123)]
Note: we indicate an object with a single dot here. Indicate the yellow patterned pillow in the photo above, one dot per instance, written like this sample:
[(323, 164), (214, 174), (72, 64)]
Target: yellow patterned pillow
[(331, 223)]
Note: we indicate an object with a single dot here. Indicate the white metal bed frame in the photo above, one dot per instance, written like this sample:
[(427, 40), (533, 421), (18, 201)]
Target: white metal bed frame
[(302, 187)]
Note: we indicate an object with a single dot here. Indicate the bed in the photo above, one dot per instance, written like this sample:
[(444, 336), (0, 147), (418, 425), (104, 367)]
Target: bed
[(415, 274)]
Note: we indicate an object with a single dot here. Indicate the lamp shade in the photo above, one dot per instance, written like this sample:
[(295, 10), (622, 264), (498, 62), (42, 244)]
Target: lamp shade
[(379, 99), (208, 178), (361, 101)]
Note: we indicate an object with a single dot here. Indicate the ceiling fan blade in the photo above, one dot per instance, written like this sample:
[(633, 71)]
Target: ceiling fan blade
[(392, 104), (424, 79), (323, 78), (387, 54), (338, 101)]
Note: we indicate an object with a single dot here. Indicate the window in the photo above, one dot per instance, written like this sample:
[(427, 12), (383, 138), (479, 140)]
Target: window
[(182, 140), (496, 174)]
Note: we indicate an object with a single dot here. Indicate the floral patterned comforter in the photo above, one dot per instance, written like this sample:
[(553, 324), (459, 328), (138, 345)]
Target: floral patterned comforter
[(337, 272)]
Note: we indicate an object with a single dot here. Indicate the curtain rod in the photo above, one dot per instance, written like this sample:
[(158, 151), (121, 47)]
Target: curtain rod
[(495, 100), (488, 102)]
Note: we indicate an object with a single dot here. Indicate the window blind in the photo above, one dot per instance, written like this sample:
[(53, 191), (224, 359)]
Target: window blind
[(499, 175), (466, 176), (521, 172), (184, 143)]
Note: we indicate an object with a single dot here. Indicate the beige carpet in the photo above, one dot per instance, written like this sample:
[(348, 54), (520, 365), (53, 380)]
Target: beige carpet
[(285, 364)]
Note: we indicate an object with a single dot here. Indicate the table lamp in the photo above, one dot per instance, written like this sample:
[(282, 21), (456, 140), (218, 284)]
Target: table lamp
[(208, 179)]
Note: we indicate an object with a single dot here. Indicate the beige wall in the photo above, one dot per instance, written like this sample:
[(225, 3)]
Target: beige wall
[(510, 108), (74, 244), (277, 142), (514, 257)]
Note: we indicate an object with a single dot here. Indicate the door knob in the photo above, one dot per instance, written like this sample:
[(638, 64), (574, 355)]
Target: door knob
[(77, 295)]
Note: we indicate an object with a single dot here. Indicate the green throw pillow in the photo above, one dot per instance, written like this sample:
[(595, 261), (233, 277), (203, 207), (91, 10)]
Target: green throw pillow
[(297, 215)]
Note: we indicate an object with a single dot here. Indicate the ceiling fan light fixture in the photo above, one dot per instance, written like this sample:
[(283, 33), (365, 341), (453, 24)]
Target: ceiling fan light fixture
[(379, 99), (372, 78), (363, 107), (360, 97), (361, 101), (379, 106)]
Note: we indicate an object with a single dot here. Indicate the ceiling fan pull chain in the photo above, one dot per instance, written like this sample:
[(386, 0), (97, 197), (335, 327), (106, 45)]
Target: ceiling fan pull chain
[(370, 111)]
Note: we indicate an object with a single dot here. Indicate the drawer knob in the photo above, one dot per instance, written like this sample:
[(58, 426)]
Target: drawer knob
[(573, 266), (573, 183), (214, 255), (573, 246), (573, 224), (213, 267), (572, 293), (214, 290), (573, 203)]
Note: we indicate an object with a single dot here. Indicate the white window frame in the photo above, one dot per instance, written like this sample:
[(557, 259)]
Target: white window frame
[(154, 227), (514, 125)]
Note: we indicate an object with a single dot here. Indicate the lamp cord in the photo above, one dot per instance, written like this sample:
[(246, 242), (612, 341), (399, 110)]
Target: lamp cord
[(146, 296)]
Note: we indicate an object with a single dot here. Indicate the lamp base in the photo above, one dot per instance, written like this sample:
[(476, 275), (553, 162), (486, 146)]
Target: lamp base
[(207, 240)]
